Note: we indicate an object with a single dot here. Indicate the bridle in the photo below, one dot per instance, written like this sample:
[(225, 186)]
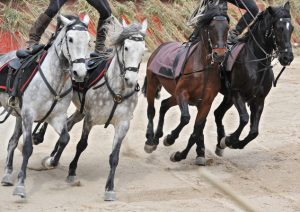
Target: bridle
[(122, 65), (118, 98), (76, 27), (217, 18)]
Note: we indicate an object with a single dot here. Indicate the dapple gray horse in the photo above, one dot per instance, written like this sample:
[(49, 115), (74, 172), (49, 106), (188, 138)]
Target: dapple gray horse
[(65, 57), (114, 96)]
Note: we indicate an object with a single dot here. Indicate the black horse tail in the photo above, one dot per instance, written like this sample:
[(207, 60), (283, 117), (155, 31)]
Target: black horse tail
[(144, 89)]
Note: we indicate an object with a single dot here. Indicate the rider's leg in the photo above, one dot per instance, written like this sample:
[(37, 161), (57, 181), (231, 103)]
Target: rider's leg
[(251, 12), (102, 6), (41, 24)]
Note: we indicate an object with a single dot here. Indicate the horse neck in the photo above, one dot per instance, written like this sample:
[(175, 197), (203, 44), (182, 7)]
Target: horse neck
[(113, 75), (53, 66), (260, 42)]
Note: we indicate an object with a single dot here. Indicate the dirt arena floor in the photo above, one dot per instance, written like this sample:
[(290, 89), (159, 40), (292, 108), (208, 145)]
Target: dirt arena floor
[(266, 174)]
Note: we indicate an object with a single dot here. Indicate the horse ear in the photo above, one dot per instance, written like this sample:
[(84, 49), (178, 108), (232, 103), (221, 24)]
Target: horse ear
[(86, 20), (65, 21), (287, 6), (271, 10), (144, 27), (124, 23)]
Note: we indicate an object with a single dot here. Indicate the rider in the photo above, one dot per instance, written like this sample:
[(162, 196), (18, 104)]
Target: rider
[(251, 12), (40, 25)]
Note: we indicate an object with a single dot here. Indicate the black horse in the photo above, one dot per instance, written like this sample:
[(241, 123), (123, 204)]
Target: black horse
[(251, 77)]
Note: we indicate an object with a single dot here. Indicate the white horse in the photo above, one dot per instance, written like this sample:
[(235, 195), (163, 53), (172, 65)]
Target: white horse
[(52, 83), (113, 99)]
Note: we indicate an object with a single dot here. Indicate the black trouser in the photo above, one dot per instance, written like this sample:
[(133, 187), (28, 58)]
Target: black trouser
[(102, 6), (251, 8)]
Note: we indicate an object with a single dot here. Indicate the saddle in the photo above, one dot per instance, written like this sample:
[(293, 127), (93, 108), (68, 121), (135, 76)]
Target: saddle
[(16, 74), (232, 54), (171, 58)]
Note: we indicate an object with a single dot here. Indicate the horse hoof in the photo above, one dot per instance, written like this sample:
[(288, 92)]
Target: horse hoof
[(166, 143), (71, 179), (7, 180), (200, 161), (219, 151), (110, 196), (46, 163), (149, 149), (175, 157), (20, 191), (223, 143)]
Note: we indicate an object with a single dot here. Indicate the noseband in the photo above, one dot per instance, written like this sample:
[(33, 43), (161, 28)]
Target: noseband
[(122, 65)]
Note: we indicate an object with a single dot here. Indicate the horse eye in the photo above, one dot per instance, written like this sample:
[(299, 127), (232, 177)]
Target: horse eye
[(71, 40), (126, 49)]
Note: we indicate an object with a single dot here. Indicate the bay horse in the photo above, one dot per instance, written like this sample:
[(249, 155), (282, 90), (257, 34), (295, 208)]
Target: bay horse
[(48, 95), (251, 76), (112, 100), (193, 87)]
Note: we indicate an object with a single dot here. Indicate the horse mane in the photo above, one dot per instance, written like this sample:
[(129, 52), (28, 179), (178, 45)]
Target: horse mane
[(117, 34), (278, 12), (213, 8)]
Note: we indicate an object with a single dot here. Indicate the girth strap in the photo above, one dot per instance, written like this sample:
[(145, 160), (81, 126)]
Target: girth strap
[(118, 99), (57, 97)]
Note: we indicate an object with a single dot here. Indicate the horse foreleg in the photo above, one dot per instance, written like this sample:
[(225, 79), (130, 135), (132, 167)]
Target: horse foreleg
[(72, 120), (256, 111), (120, 131), (184, 119), (60, 126), (13, 142), (27, 151), (166, 104), (219, 113), (240, 105), (81, 146)]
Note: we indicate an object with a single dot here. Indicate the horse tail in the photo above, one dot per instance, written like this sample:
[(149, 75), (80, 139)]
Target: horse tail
[(144, 89)]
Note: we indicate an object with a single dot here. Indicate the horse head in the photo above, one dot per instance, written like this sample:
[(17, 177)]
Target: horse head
[(281, 30), (216, 22), (74, 43), (129, 44)]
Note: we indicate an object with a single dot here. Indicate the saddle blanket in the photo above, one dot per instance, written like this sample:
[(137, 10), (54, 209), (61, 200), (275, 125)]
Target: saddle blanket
[(94, 75), (170, 59), (232, 55), (25, 75)]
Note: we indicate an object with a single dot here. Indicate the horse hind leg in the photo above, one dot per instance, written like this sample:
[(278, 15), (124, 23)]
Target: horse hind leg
[(81, 146), (13, 142), (166, 104), (219, 113), (120, 132), (151, 88), (184, 120)]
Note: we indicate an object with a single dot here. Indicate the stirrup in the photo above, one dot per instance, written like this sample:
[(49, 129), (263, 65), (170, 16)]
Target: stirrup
[(13, 101)]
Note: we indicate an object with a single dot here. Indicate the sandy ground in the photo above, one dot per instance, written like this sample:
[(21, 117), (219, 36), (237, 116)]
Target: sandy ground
[(266, 174)]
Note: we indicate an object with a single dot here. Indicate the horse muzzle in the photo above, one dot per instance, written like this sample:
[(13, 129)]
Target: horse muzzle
[(218, 54), (286, 58)]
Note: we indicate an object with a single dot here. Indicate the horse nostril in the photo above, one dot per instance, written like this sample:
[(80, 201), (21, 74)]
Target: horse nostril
[(75, 73)]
